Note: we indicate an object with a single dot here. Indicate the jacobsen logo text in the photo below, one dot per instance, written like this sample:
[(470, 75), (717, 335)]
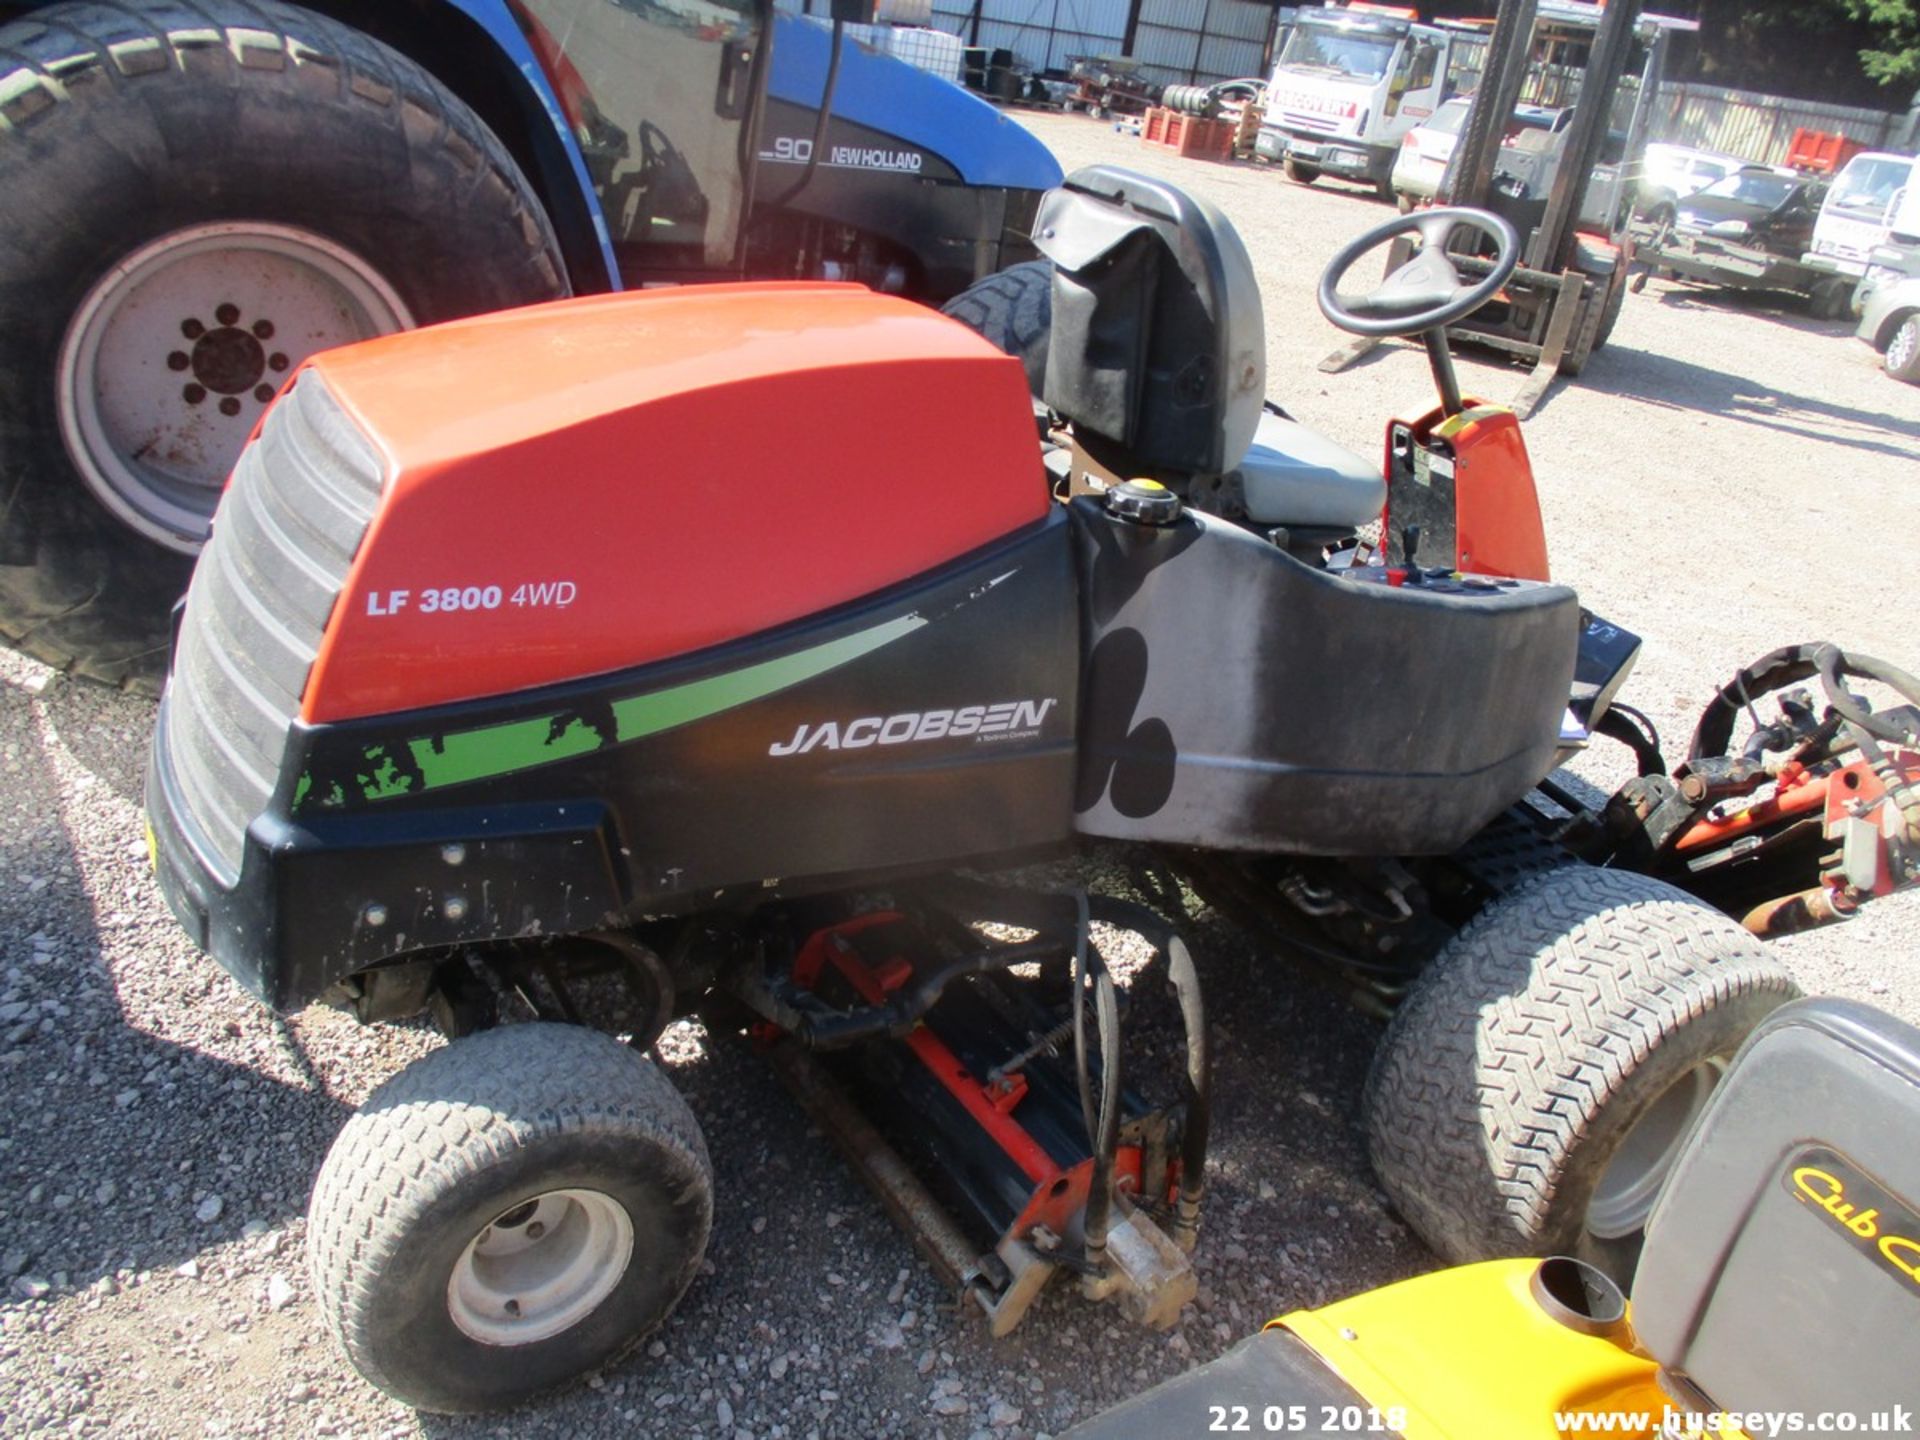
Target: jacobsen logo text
[(1007, 719)]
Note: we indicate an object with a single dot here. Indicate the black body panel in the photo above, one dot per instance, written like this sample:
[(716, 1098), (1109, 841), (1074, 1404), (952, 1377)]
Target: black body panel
[(1238, 699), (670, 793)]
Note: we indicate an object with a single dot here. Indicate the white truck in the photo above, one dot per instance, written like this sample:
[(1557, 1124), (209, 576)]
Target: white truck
[(1350, 82), (1873, 190)]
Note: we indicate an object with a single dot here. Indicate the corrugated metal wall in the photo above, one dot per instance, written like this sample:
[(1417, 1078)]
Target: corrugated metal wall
[(1176, 41), (1194, 42), (1043, 33), (1759, 127)]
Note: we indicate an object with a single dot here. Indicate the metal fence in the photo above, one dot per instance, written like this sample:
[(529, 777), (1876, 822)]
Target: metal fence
[(1759, 127)]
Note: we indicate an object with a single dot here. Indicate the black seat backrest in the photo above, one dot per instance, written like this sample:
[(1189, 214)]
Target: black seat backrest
[(1782, 1263), (1158, 347)]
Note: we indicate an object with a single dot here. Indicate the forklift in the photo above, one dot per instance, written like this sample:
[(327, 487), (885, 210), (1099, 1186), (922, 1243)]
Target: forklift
[(1561, 303)]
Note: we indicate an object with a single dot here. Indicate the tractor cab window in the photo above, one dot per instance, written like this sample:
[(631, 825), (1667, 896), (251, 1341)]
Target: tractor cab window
[(656, 93)]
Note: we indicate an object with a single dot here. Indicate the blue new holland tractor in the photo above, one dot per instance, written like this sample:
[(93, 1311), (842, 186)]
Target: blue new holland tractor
[(198, 194)]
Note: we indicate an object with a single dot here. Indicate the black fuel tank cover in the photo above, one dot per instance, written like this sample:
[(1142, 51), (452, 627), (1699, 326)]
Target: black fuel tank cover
[(1145, 502)]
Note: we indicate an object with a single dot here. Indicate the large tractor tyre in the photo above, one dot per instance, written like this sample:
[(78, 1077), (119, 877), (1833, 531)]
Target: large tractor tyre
[(1531, 1093), (1012, 308), (198, 196), (1903, 351), (1298, 173), (508, 1213)]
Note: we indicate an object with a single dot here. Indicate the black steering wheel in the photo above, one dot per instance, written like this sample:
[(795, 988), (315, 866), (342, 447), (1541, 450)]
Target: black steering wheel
[(1426, 292)]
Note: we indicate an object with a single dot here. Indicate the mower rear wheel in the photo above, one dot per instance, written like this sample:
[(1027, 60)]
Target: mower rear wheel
[(1534, 1088), (1903, 351), (506, 1214), (198, 198), (1013, 309)]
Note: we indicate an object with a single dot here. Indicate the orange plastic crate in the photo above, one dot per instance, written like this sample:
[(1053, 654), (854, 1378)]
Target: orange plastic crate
[(1188, 135), (1821, 151)]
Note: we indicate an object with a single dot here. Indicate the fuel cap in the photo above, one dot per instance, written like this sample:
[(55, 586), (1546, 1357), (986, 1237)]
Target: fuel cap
[(1145, 502)]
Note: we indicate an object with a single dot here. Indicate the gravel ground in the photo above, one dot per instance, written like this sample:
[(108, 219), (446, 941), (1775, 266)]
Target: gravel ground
[(159, 1132)]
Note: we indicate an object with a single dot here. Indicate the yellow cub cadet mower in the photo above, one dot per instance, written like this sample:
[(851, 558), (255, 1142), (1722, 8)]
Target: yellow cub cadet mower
[(1778, 1292)]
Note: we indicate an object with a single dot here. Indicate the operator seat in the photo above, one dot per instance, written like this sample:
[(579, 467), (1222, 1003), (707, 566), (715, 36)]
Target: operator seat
[(1157, 352), (1781, 1270)]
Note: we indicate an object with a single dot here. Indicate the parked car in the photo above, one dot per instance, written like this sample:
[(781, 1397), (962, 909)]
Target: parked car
[(1758, 207), (1889, 302), (1670, 173), (1425, 149)]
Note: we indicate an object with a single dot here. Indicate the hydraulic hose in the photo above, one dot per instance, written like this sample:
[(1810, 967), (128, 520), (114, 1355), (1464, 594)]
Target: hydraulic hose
[(1183, 977), (817, 1026), (1103, 1122), (1788, 666), (1867, 730)]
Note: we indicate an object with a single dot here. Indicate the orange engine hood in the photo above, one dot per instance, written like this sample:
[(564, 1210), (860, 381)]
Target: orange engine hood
[(600, 483)]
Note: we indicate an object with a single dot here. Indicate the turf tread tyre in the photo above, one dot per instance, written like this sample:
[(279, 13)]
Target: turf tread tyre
[(1012, 309), (1535, 1040), (1508, 853), (515, 1102), (123, 122)]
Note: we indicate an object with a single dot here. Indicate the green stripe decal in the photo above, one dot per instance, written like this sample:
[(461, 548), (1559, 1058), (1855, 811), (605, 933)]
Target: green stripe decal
[(462, 756)]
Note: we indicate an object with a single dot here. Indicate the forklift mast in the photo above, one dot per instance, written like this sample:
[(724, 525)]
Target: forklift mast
[(1561, 303), (1523, 31)]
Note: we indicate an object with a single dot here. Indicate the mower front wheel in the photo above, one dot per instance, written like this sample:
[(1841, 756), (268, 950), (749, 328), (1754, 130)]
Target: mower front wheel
[(1536, 1085), (508, 1213)]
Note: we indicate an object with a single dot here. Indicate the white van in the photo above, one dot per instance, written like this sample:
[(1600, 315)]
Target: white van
[(1875, 190)]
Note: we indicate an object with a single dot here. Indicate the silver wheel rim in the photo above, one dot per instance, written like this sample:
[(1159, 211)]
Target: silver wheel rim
[(1630, 1184), (540, 1268), (177, 349), (1906, 340)]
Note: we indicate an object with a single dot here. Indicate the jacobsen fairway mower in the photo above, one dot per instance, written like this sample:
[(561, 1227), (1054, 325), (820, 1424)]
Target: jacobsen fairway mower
[(592, 663)]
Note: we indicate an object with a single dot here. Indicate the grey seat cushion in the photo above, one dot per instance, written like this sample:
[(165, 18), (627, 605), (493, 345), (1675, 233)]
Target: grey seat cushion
[(1295, 476)]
